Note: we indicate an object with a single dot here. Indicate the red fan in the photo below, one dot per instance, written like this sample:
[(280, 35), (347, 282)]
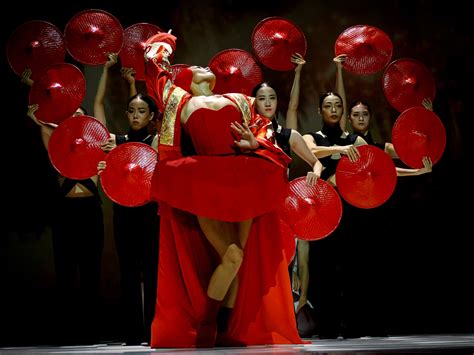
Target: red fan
[(59, 91), (406, 82), (368, 49), (314, 211), (127, 177), (91, 35), (369, 181), (236, 71), (292, 209), (418, 132), (133, 49), (74, 147), (274, 40), (35, 45)]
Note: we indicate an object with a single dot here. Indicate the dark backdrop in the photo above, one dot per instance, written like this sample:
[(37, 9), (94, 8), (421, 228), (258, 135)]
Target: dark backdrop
[(428, 261)]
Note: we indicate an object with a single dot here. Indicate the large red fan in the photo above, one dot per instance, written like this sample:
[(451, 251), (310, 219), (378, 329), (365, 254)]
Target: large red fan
[(236, 71), (59, 92), (127, 178), (74, 147), (312, 212), (274, 40), (369, 181), (406, 82), (91, 35), (368, 49), (418, 132), (35, 45), (133, 48)]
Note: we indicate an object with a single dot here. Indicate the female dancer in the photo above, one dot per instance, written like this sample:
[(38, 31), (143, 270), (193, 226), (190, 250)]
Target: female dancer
[(216, 206)]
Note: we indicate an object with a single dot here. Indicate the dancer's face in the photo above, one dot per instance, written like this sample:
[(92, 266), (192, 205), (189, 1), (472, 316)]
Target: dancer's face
[(138, 114), (331, 110), (360, 118), (266, 102)]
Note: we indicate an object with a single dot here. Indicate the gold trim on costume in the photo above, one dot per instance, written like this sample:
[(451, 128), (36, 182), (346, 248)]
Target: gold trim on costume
[(169, 116), (166, 91), (243, 104)]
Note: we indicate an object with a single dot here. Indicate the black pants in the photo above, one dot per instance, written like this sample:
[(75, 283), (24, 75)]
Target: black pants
[(347, 276), (78, 242), (136, 231)]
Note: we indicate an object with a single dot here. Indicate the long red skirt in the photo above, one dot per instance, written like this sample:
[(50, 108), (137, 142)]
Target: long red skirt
[(185, 315)]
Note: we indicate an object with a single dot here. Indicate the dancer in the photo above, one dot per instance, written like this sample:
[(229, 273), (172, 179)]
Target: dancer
[(136, 229), (216, 207)]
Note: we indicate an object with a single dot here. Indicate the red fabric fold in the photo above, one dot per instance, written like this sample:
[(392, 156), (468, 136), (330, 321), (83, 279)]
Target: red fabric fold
[(263, 313)]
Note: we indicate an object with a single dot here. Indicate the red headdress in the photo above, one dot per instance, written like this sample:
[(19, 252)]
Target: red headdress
[(163, 37)]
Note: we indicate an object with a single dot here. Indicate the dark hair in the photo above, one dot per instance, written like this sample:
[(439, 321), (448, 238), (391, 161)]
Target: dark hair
[(259, 86), (359, 102), (150, 102), (329, 93)]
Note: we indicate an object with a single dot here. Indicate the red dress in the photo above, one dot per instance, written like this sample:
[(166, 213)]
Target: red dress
[(218, 183), (221, 183)]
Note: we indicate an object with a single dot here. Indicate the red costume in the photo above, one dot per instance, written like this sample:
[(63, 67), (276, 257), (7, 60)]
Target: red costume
[(222, 183)]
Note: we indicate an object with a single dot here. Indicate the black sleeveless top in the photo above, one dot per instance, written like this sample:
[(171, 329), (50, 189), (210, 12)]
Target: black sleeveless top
[(328, 137), (368, 138), (282, 137)]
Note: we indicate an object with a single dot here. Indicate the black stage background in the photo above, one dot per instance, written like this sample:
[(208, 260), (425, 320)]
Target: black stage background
[(427, 257)]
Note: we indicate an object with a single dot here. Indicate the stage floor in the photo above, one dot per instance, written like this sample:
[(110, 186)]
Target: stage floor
[(428, 344)]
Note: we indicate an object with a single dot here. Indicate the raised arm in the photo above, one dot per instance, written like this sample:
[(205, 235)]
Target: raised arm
[(292, 113), (46, 129), (339, 88), (99, 106), (129, 75)]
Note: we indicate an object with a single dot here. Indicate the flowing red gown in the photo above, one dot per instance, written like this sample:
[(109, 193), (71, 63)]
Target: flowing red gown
[(223, 184)]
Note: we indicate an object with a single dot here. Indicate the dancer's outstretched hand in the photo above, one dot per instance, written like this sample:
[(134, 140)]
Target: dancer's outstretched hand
[(247, 139)]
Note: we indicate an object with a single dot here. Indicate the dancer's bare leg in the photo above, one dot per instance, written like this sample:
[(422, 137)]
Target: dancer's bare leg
[(226, 238), (243, 231), (231, 296)]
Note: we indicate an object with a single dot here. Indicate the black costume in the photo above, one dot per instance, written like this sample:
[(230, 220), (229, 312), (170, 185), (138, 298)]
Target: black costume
[(367, 277), (136, 232), (78, 242), (329, 258), (282, 137)]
